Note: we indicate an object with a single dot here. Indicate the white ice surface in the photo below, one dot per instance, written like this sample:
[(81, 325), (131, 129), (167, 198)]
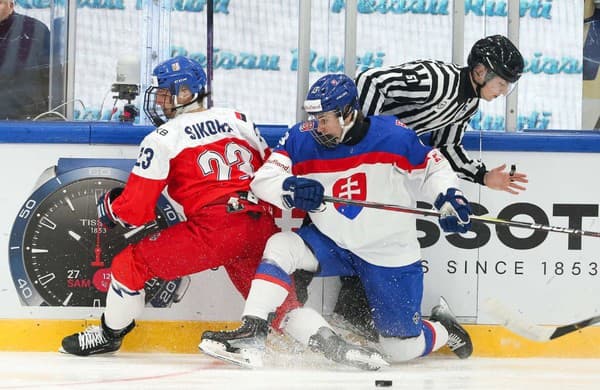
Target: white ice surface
[(196, 371)]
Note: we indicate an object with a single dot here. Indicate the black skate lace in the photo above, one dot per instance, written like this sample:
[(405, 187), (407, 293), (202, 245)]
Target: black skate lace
[(91, 337)]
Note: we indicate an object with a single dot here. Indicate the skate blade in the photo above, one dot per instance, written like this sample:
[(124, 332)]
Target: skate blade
[(61, 350), (443, 304), (374, 361), (245, 358)]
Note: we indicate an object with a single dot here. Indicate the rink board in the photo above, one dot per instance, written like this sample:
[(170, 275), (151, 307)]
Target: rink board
[(548, 277), (184, 336)]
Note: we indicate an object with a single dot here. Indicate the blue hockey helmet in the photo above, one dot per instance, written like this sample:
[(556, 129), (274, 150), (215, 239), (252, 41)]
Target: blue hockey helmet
[(180, 71), (172, 75), (332, 92)]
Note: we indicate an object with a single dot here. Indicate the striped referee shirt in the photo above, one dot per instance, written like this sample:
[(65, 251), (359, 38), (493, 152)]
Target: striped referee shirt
[(427, 96)]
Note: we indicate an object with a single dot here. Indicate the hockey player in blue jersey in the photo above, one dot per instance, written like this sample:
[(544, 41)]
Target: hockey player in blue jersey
[(340, 153)]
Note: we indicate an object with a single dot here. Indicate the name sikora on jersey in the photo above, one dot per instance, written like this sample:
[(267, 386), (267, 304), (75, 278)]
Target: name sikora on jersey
[(206, 129)]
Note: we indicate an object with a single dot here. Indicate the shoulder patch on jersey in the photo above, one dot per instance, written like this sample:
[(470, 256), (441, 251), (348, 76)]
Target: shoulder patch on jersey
[(410, 76), (283, 139), (436, 155), (240, 116), (307, 126), (161, 131)]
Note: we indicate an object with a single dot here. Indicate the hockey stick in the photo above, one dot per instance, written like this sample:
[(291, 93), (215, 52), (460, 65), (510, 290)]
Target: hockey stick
[(484, 219), (519, 324)]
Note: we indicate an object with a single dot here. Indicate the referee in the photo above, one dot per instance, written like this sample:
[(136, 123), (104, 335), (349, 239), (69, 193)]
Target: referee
[(441, 98), (438, 98)]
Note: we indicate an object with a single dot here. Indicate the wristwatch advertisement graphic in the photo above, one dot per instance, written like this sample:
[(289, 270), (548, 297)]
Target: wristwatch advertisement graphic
[(60, 254)]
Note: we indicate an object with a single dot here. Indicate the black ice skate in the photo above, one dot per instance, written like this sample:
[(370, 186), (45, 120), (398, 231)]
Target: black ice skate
[(352, 311), (95, 340), (459, 340), (346, 327), (339, 350), (244, 346)]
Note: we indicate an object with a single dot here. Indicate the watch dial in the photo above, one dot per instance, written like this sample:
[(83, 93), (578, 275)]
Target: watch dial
[(67, 252)]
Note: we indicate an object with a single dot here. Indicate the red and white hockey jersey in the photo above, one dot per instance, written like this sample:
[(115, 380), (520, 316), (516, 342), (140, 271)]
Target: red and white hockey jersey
[(198, 156)]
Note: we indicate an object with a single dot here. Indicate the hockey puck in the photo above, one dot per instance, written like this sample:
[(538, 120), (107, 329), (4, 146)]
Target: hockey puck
[(382, 383)]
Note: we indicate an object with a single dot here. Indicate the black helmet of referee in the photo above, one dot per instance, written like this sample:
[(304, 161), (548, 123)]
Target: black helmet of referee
[(499, 55)]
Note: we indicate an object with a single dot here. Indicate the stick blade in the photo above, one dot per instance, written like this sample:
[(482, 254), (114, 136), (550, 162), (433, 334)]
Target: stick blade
[(566, 329), (516, 322)]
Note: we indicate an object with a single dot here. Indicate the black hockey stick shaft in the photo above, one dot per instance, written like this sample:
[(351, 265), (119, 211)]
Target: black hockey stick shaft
[(484, 219), (565, 329)]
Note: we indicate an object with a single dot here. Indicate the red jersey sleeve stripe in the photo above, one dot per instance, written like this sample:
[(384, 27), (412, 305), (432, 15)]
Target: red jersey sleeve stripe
[(344, 164)]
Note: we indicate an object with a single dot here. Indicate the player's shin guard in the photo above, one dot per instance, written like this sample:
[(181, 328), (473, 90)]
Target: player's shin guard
[(123, 305), (435, 335), (290, 304), (269, 290)]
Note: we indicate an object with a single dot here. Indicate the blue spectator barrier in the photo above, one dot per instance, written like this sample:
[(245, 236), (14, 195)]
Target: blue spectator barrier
[(127, 133)]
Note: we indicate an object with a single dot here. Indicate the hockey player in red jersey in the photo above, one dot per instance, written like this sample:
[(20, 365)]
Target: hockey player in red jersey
[(206, 158), (340, 153)]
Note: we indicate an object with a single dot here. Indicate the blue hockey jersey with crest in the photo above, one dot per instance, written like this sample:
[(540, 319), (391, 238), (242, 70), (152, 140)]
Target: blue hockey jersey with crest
[(389, 165)]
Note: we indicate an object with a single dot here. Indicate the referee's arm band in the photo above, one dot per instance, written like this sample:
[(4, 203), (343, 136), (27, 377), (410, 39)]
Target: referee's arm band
[(479, 176)]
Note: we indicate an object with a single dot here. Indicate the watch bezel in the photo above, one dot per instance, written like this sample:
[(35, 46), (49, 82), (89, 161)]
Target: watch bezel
[(20, 277)]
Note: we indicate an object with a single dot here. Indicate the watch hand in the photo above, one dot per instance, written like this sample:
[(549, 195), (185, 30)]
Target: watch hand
[(117, 239), (67, 299), (98, 250), (133, 232), (81, 240), (74, 235)]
